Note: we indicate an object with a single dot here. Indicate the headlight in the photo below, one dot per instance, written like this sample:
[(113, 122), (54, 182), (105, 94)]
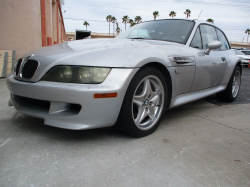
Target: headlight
[(77, 74)]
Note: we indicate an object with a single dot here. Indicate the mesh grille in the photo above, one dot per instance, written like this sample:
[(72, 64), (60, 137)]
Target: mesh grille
[(29, 69), (36, 102), (18, 66)]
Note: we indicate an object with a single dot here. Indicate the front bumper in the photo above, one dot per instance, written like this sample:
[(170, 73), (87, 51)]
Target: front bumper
[(245, 62), (94, 113)]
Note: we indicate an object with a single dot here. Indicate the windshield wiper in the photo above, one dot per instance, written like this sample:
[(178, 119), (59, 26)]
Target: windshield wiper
[(136, 38)]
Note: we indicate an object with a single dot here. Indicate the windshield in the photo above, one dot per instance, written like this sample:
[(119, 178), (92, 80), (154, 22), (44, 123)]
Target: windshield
[(238, 52), (167, 30)]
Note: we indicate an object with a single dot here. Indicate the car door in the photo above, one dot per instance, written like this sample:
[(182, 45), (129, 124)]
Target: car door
[(211, 68)]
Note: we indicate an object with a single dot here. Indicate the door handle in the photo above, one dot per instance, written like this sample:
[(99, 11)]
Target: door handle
[(223, 59)]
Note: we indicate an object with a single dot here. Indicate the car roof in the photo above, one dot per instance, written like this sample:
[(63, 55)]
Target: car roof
[(195, 20)]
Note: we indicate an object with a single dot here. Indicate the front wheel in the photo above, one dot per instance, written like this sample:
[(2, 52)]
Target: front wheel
[(144, 103), (233, 87)]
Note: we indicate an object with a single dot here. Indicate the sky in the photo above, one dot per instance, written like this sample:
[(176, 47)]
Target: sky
[(233, 17)]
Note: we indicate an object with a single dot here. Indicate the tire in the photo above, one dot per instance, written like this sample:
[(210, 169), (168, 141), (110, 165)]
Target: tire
[(144, 103), (233, 87)]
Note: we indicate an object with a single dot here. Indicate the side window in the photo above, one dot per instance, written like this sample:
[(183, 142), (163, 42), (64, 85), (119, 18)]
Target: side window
[(208, 34), (196, 42), (223, 40)]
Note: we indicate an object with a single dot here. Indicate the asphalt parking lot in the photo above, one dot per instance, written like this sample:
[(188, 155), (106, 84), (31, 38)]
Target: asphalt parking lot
[(204, 143)]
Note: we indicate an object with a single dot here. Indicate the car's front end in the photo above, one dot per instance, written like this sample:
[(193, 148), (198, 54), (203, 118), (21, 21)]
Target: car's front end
[(67, 95), (245, 60), (69, 105)]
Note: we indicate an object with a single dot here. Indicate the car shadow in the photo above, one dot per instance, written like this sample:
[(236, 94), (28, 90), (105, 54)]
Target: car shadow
[(36, 126)]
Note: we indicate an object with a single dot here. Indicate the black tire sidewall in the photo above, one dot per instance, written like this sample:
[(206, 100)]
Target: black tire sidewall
[(126, 111)]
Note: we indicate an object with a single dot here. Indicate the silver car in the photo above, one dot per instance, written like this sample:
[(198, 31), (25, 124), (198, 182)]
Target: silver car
[(245, 59), (246, 52), (128, 81)]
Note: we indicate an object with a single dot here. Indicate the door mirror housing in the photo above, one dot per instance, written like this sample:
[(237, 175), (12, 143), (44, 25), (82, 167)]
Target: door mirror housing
[(212, 45)]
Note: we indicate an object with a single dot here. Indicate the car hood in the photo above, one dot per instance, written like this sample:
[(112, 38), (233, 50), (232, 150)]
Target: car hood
[(244, 57), (119, 53)]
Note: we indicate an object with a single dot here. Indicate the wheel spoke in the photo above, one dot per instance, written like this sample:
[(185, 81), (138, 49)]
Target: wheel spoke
[(145, 89), (148, 87), (141, 117), (155, 100), (151, 111), (139, 103)]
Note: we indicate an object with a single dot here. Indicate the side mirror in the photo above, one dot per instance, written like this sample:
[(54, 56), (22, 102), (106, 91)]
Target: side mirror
[(212, 45)]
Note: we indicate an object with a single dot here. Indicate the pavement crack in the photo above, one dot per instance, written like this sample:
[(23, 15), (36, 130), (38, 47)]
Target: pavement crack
[(241, 130)]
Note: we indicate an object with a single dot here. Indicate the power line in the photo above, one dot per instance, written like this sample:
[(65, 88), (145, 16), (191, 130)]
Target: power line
[(88, 20), (198, 2), (148, 9)]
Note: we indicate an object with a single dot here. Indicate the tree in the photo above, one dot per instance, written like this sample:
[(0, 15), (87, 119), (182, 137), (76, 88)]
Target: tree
[(138, 19), (125, 19), (155, 14), (113, 19), (172, 14), (86, 24), (131, 22), (247, 32), (118, 30), (188, 12), (209, 20), (108, 18)]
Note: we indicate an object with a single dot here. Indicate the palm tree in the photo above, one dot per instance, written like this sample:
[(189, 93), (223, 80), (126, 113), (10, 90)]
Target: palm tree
[(118, 30), (131, 22), (247, 32), (125, 19), (137, 19), (113, 19), (188, 12), (155, 14), (86, 24), (108, 18), (209, 20), (172, 14)]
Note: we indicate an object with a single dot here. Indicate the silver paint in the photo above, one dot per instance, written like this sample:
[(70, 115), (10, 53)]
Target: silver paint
[(194, 75)]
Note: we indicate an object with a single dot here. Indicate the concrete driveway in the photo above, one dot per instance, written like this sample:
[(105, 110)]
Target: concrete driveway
[(205, 143)]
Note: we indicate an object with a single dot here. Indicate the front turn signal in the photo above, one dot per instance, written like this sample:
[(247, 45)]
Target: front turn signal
[(105, 95)]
